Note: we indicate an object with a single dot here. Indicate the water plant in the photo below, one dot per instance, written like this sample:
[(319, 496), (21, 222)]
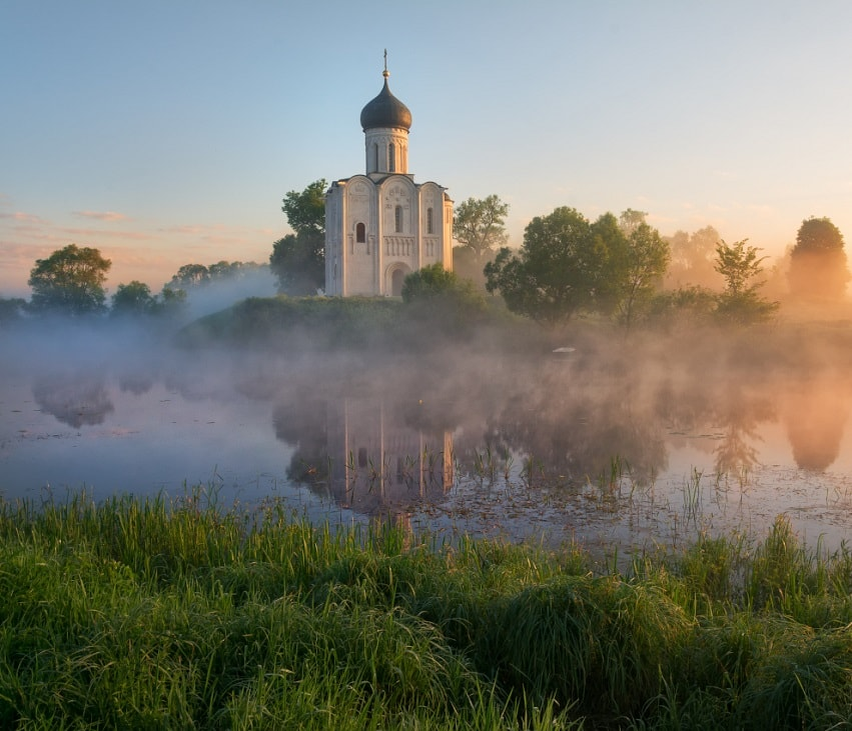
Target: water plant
[(164, 613)]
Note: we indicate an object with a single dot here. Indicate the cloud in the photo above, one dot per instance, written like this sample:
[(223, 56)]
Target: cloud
[(23, 217), (102, 215), (91, 232)]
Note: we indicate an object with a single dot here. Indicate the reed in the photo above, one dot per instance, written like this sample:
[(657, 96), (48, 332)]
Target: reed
[(160, 613)]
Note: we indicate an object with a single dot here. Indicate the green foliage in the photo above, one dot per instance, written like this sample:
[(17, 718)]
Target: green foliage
[(70, 281), (190, 275), (305, 209), (298, 259), (132, 299), (567, 265), (818, 264), (478, 225), (11, 309), (139, 613), (135, 300), (740, 302), (552, 276), (646, 257)]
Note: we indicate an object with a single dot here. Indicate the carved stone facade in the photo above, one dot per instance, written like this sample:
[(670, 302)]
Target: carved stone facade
[(381, 226)]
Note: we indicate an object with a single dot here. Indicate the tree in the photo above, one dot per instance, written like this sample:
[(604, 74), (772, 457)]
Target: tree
[(190, 275), (132, 299), (305, 210), (646, 258), (740, 266), (818, 266), (433, 283), (561, 268), (692, 259), (70, 280), (298, 260), (478, 225)]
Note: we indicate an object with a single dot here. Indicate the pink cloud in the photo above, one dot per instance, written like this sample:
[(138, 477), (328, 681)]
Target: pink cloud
[(102, 215)]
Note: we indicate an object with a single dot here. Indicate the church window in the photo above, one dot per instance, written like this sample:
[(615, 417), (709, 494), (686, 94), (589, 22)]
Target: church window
[(360, 233), (430, 223), (375, 160), (362, 457), (392, 157), (397, 219)]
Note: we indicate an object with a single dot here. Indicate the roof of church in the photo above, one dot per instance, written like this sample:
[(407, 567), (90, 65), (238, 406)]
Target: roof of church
[(385, 110)]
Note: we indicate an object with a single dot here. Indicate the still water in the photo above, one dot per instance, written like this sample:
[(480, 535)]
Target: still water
[(616, 449)]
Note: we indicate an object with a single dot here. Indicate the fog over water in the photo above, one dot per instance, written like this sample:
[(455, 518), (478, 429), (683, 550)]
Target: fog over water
[(615, 442)]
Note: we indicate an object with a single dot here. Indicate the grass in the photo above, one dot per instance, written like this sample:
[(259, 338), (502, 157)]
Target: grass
[(153, 613)]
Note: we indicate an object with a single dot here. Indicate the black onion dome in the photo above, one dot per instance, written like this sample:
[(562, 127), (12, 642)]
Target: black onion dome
[(385, 111)]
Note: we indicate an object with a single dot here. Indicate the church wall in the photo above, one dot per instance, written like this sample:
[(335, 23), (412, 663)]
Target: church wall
[(361, 255)]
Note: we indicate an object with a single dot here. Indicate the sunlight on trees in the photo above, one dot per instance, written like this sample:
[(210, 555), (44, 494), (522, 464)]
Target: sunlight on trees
[(70, 281), (818, 264)]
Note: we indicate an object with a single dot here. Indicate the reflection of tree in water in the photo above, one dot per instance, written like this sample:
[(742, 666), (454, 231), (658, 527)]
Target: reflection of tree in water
[(582, 428), (74, 399), (816, 412), (736, 407)]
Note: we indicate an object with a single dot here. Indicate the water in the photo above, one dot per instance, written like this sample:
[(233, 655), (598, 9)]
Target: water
[(625, 452)]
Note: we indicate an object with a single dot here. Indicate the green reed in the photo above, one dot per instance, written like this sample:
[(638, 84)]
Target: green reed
[(161, 613)]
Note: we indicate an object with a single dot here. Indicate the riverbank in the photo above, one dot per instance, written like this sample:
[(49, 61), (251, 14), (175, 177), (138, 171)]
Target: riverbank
[(149, 613)]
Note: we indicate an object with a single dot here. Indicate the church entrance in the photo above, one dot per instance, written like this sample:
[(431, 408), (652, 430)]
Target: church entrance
[(398, 276)]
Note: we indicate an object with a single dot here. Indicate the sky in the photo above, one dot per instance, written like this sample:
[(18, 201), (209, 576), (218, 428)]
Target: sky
[(167, 132)]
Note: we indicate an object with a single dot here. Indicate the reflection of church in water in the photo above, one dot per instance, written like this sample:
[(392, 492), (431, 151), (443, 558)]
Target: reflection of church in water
[(382, 226), (381, 460)]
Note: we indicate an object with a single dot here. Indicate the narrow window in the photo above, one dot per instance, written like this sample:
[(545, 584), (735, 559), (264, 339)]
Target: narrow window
[(375, 161), (360, 233), (392, 157), (430, 226), (397, 217), (362, 457)]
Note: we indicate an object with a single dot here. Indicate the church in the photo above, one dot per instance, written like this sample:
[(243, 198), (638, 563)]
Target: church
[(382, 226)]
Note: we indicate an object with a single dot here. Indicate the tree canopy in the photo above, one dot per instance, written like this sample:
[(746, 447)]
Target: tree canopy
[(70, 281), (568, 264), (298, 259), (818, 264), (478, 225), (740, 265)]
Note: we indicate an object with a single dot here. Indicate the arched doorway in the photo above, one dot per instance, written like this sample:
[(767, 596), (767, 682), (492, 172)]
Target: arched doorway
[(397, 276)]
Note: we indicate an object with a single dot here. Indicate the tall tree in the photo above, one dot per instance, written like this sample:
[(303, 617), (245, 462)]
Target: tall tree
[(132, 299), (646, 258), (190, 275), (71, 281), (740, 265), (693, 259), (818, 265), (298, 260), (479, 225), (561, 267)]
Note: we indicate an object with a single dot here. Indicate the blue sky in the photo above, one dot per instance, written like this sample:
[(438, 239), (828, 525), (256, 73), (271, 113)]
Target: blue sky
[(166, 132)]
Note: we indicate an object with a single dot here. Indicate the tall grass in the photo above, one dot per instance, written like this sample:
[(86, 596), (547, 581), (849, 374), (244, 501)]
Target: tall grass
[(157, 613)]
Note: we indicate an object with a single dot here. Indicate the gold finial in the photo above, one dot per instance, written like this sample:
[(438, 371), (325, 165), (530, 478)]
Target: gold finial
[(386, 73)]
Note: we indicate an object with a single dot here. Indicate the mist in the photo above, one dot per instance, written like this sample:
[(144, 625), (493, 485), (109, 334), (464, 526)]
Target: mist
[(419, 423)]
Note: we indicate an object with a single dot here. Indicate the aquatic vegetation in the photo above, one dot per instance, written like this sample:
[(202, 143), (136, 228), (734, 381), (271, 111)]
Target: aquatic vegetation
[(164, 613)]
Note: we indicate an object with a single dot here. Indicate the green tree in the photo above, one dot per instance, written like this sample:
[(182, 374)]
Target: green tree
[(740, 266), (298, 259), (818, 265), (71, 280), (132, 299), (479, 226), (646, 258), (11, 309), (561, 268), (190, 275), (432, 283), (305, 209)]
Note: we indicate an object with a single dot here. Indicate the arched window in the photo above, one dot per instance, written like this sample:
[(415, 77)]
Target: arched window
[(374, 167), (360, 233), (392, 157), (397, 219), (430, 221)]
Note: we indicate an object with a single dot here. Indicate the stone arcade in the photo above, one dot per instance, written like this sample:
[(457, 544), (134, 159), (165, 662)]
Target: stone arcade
[(381, 226)]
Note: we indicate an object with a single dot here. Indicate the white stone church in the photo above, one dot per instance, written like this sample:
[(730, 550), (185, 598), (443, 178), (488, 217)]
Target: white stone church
[(381, 226)]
